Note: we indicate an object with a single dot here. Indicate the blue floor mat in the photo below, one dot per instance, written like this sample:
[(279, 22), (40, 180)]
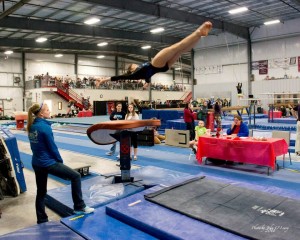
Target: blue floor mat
[(45, 231), (101, 226)]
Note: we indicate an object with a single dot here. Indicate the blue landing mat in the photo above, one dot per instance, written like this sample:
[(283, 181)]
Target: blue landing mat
[(151, 176), (161, 222), (100, 191), (96, 192), (179, 124), (45, 231), (245, 116), (101, 226), (285, 120)]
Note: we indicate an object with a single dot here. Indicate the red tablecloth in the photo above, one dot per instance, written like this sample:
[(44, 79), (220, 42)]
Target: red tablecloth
[(85, 114), (244, 150), (276, 114)]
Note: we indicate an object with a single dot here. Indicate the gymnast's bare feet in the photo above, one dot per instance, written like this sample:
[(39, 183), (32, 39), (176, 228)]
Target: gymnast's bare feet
[(205, 28)]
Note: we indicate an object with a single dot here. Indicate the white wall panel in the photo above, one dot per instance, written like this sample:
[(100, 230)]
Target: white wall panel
[(221, 55), (5, 80), (108, 62), (16, 104), (282, 30), (95, 71), (54, 69), (223, 39), (11, 65), (46, 57)]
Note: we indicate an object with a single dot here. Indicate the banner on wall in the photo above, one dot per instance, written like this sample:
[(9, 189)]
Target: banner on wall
[(255, 65), (279, 63), (293, 61), (263, 67), (298, 64), (205, 70)]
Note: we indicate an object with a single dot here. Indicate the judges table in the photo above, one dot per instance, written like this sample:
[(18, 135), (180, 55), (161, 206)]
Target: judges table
[(245, 150), (85, 114)]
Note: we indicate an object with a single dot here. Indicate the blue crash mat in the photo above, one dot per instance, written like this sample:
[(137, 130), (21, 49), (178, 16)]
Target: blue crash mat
[(45, 231), (97, 191), (99, 225), (100, 191), (161, 222)]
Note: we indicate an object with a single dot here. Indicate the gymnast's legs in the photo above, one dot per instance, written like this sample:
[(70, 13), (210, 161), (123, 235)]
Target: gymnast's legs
[(171, 54)]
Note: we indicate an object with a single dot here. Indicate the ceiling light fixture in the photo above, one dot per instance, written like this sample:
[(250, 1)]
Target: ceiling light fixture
[(92, 20), (58, 55), (157, 30), (272, 22), (8, 52), (178, 68), (101, 56), (146, 47), (102, 44), (238, 10), (41, 39)]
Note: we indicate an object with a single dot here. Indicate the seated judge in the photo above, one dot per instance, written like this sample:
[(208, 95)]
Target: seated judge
[(238, 127)]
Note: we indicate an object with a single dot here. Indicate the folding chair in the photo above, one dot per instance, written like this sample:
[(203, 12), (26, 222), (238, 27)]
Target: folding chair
[(286, 135)]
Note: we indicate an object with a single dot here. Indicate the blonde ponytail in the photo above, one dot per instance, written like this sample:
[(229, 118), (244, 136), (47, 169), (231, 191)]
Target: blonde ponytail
[(33, 111)]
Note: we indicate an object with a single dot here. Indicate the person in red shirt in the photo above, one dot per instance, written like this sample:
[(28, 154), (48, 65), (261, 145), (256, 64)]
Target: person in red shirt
[(188, 117)]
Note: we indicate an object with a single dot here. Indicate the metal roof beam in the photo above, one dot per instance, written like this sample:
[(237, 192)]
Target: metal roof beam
[(296, 2), (68, 46), (13, 8), (171, 13), (82, 30), (79, 47)]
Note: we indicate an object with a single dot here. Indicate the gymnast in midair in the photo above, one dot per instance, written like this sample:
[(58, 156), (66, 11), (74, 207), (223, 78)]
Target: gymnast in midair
[(164, 59)]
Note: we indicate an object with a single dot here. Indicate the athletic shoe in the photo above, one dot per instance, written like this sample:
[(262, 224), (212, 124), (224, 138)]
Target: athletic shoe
[(110, 153), (85, 210), (135, 158)]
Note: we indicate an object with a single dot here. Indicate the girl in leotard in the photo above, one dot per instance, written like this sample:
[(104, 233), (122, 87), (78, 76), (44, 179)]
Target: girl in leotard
[(164, 59)]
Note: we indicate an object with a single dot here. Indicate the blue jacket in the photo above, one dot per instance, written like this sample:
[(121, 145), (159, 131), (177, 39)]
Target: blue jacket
[(44, 149), (244, 131)]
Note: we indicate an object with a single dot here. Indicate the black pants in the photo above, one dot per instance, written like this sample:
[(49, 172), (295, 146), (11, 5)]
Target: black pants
[(134, 139), (62, 171), (191, 127)]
